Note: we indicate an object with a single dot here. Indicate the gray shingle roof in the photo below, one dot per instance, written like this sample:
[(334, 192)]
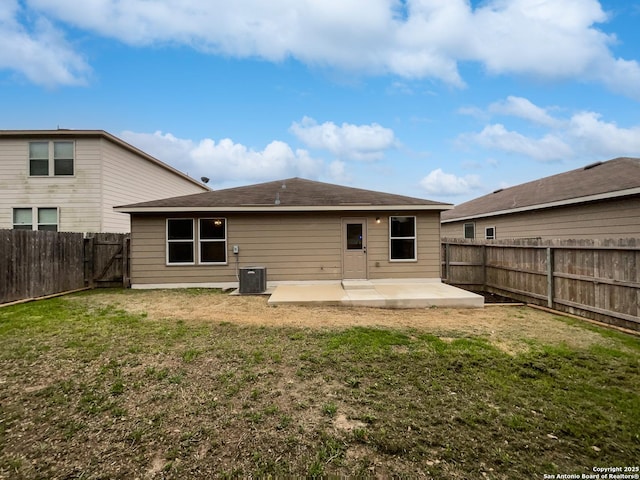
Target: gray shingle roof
[(295, 193), (617, 175)]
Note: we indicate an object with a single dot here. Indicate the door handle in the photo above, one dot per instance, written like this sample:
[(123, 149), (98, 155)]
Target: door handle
[(364, 249)]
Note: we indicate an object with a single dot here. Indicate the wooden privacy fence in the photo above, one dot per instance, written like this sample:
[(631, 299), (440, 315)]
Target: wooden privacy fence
[(597, 279), (38, 263)]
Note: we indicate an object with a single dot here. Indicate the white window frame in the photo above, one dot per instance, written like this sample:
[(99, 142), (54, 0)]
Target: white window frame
[(212, 240), (51, 160), (414, 238), (486, 233), (181, 240), (13, 218), (464, 230), (39, 224), (35, 224)]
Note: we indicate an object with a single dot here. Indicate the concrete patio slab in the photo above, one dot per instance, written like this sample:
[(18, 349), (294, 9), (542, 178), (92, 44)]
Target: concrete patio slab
[(378, 293)]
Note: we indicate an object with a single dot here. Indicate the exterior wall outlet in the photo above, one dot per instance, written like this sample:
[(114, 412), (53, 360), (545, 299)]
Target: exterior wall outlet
[(236, 249)]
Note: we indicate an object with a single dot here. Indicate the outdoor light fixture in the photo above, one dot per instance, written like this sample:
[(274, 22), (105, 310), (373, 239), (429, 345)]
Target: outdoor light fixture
[(377, 219)]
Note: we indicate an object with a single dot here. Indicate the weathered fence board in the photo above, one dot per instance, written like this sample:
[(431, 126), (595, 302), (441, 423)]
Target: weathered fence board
[(598, 279), (35, 264), (38, 263)]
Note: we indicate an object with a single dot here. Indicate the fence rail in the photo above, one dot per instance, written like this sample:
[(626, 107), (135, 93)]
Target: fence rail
[(598, 279), (38, 263)]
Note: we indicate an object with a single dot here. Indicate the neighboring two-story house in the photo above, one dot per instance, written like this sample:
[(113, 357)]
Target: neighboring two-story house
[(70, 180)]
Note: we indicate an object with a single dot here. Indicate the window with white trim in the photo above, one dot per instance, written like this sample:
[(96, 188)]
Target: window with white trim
[(23, 219), (490, 233), (51, 159), (470, 230), (213, 240), (46, 218), (402, 239), (180, 241)]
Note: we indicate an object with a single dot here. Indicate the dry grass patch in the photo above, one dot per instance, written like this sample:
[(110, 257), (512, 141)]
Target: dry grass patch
[(504, 326), (196, 384)]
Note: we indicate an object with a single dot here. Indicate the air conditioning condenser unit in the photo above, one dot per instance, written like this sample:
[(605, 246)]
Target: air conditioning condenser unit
[(253, 279)]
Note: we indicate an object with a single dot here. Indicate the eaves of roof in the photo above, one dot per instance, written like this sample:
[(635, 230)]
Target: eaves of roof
[(541, 206), (283, 209)]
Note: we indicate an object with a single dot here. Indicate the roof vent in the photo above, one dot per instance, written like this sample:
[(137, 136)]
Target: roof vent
[(277, 202), (592, 165), (284, 186), (498, 190)]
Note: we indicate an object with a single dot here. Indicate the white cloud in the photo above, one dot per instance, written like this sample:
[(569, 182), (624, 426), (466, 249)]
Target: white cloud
[(584, 135), (474, 112), (547, 148), (603, 138), (411, 39), (40, 52), (356, 142), (523, 108), (447, 184), (224, 160)]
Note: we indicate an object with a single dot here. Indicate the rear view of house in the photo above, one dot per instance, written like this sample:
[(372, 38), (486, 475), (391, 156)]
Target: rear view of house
[(600, 200), (70, 180), (298, 229)]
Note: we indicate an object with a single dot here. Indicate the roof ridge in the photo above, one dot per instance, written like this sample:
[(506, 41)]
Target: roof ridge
[(295, 193)]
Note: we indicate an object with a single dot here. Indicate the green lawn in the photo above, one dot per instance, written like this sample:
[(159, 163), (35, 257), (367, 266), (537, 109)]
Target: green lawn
[(90, 391)]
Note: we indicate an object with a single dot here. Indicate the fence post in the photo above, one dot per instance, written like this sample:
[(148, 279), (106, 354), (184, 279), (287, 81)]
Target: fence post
[(484, 267), (550, 277), (446, 262), (126, 246), (88, 262)]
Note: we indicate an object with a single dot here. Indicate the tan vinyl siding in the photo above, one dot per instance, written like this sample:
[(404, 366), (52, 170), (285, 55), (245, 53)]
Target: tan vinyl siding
[(128, 178), (77, 197), (428, 245), (606, 219), (292, 247), (105, 175)]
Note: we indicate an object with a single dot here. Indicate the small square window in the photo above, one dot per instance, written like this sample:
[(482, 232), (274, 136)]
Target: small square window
[(212, 229), (48, 219), (22, 219), (213, 252), (490, 233), (470, 230), (180, 229)]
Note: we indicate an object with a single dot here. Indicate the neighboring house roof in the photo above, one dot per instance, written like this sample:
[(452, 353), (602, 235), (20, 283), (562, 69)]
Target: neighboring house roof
[(72, 134), (293, 194), (598, 181)]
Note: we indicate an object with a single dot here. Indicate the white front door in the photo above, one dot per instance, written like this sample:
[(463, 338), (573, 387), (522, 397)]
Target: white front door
[(354, 248)]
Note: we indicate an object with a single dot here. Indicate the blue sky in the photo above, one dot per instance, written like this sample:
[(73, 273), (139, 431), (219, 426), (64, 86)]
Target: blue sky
[(446, 100)]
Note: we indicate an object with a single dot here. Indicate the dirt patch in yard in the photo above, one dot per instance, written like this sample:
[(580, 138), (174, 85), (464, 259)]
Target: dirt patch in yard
[(504, 325)]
